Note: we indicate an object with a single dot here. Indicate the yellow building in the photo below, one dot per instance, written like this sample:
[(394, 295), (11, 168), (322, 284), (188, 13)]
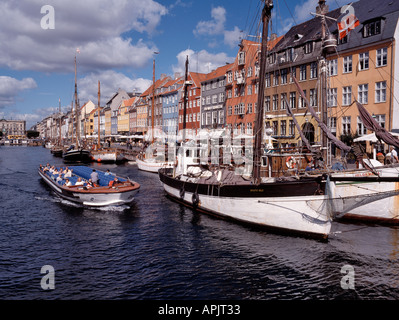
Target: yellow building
[(123, 117), (107, 122)]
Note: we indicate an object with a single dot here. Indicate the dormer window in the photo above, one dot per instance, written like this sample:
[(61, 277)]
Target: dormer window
[(272, 58), (308, 47), (241, 58), (372, 28)]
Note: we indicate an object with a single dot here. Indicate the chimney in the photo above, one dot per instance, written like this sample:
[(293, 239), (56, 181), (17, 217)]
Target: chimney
[(322, 8), (273, 36)]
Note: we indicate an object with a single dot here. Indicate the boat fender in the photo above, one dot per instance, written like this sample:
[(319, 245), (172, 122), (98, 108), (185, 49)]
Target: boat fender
[(290, 162), (181, 193), (176, 162), (195, 199)]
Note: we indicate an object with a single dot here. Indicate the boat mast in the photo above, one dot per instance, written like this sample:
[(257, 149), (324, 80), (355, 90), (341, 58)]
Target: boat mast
[(98, 118), (59, 107), (266, 15), (76, 109), (153, 101), (323, 78), (185, 100)]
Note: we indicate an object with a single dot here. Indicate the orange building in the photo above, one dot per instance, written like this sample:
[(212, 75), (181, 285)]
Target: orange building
[(242, 87), (193, 110)]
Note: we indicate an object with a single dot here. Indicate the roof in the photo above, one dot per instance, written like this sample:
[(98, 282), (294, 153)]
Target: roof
[(217, 73), (364, 10)]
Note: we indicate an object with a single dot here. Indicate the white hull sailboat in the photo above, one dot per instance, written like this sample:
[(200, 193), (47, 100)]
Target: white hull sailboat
[(152, 164), (292, 205)]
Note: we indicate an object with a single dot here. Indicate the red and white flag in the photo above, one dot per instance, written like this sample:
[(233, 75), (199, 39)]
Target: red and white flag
[(348, 21)]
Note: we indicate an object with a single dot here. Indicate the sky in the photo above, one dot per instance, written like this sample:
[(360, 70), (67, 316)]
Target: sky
[(116, 41)]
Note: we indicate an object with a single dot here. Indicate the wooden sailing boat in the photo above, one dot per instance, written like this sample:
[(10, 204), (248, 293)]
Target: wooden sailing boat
[(76, 153), (295, 205), (149, 160)]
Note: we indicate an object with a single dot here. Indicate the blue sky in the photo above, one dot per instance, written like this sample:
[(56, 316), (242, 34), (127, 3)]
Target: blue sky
[(117, 40)]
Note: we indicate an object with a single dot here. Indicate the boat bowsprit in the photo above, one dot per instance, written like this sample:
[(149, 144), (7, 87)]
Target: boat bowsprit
[(111, 190)]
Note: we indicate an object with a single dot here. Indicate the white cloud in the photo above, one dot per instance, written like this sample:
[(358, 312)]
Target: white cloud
[(95, 26), (216, 26), (11, 87), (110, 81), (202, 61)]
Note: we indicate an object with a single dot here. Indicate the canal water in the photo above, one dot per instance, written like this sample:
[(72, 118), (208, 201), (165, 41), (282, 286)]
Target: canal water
[(160, 250)]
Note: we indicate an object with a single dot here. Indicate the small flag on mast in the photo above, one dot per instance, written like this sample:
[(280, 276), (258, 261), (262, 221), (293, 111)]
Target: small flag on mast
[(348, 21), (77, 50)]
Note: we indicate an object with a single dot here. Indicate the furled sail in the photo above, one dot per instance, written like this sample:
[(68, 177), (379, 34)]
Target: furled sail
[(373, 125), (323, 127)]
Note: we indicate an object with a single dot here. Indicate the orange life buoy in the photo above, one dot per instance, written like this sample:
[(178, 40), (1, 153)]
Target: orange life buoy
[(290, 162)]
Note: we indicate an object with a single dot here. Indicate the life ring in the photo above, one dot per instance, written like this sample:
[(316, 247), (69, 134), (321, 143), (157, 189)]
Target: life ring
[(290, 162), (181, 193), (195, 199)]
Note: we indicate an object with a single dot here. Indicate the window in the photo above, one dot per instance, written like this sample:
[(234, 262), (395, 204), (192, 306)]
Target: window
[(333, 67), (361, 129), (362, 93), (267, 103), (275, 128), (292, 74), (275, 78), (267, 80), (347, 64), (292, 100), (313, 70), (332, 124), (380, 91), (283, 127), (249, 74), (284, 73), (308, 47), (332, 97), (221, 117), (313, 97), (275, 102), (249, 108), (346, 125), (229, 77), (380, 118), (229, 110), (363, 61), (249, 128), (346, 95), (372, 29), (291, 128), (241, 57), (382, 57), (221, 97), (302, 72), (249, 89), (283, 101), (301, 101)]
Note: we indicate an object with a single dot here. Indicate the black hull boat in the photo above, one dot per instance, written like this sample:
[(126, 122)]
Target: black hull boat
[(294, 206), (77, 155), (96, 196)]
